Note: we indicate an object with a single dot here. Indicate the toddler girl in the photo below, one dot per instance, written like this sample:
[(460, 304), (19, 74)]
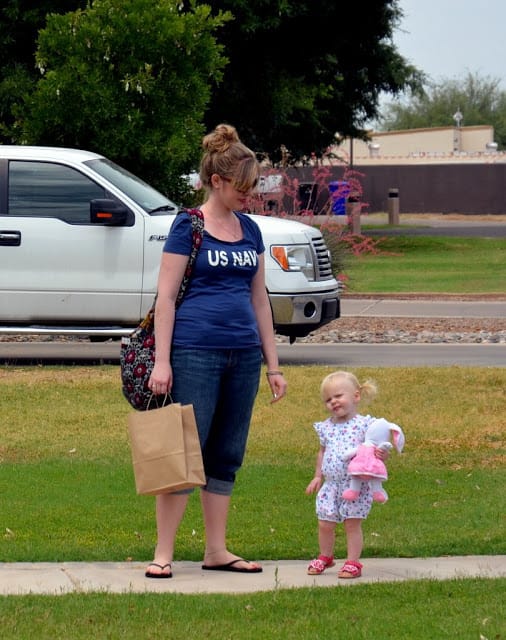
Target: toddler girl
[(340, 434)]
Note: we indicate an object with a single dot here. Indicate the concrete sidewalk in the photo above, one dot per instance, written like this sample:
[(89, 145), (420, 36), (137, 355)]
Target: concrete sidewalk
[(128, 577), (419, 308)]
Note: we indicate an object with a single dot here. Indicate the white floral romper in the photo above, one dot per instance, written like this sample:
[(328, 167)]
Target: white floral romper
[(339, 439)]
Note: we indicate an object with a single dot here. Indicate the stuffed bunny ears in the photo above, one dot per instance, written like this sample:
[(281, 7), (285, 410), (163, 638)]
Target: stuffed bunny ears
[(398, 437), (383, 427)]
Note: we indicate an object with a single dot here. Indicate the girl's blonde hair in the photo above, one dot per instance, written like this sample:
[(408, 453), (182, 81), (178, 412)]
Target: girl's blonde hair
[(228, 157), (367, 390)]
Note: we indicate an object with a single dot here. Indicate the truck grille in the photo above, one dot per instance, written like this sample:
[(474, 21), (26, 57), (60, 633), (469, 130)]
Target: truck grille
[(323, 263)]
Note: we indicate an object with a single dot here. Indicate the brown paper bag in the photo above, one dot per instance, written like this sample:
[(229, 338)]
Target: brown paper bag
[(193, 453), (159, 439)]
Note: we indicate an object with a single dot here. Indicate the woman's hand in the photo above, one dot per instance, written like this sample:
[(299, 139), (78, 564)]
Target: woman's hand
[(277, 384), (160, 381)]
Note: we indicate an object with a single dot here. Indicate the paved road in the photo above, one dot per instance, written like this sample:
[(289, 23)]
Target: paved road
[(394, 355), (349, 354)]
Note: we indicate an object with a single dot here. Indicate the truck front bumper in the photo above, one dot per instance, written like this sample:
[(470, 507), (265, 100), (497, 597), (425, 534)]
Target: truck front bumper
[(297, 315)]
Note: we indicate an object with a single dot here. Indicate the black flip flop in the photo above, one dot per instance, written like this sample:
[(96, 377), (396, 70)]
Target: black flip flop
[(229, 566), (150, 574)]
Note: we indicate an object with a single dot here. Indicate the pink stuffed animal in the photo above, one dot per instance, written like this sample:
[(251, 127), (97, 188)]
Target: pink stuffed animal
[(366, 467)]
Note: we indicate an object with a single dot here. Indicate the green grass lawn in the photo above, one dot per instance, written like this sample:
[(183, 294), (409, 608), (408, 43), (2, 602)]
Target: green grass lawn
[(422, 264), (68, 494), (427, 610)]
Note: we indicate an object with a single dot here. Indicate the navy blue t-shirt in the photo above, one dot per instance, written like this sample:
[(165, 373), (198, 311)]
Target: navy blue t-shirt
[(216, 311)]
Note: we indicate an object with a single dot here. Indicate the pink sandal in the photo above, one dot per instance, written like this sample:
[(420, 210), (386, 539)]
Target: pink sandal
[(319, 564), (350, 569)]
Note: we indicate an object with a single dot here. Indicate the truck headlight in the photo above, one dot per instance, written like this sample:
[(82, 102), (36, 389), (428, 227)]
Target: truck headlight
[(296, 257)]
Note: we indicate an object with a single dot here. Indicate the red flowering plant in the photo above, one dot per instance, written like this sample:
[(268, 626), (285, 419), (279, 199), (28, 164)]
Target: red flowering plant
[(315, 197)]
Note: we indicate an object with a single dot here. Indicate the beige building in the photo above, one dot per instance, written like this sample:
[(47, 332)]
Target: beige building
[(437, 170), (437, 144)]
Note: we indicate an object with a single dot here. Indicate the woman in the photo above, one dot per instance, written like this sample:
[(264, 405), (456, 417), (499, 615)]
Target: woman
[(209, 351)]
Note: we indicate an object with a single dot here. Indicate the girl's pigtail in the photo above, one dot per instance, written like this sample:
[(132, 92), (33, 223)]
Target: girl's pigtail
[(368, 391)]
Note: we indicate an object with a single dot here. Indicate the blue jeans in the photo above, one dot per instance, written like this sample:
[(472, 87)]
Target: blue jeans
[(222, 385)]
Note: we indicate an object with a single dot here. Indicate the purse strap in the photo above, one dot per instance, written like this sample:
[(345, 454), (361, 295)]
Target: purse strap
[(197, 222)]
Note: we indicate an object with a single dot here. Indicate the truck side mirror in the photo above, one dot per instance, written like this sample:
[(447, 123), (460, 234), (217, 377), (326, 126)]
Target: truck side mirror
[(108, 212)]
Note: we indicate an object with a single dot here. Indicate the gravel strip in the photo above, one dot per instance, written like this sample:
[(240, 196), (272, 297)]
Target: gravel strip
[(403, 330), (409, 330), (371, 330)]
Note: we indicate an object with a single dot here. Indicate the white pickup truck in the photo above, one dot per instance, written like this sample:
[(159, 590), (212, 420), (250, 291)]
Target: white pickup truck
[(80, 246)]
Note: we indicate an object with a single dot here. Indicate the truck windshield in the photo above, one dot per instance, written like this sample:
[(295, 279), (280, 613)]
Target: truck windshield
[(135, 188)]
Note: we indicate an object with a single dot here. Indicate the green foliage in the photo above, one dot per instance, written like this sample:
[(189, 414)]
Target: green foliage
[(298, 73), (20, 21), (479, 99), (301, 71), (136, 77)]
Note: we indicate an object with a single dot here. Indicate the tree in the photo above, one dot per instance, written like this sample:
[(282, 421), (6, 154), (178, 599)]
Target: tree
[(301, 71), (479, 99), (20, 21), (131, 78)]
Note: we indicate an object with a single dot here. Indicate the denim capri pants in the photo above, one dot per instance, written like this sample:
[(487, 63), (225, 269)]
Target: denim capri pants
[(222, 385)]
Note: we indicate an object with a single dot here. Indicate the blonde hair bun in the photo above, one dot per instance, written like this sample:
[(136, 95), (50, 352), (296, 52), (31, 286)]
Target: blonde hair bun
[(225, 155), (221, 139)]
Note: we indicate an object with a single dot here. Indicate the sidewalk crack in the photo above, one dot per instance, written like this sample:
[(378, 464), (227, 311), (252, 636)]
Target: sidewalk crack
[(74, 581)]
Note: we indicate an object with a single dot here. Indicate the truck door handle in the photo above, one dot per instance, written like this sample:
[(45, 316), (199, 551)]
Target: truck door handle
[(10, 238)]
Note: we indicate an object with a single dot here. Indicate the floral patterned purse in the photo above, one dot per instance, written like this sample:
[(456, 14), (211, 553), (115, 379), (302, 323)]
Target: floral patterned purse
[(137, 352)]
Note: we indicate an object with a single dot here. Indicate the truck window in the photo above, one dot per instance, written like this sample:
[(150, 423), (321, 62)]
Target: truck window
[(135, 188), (50, 190)]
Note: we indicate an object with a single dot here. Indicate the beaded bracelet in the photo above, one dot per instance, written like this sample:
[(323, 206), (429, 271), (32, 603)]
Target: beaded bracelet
[(273, 373)]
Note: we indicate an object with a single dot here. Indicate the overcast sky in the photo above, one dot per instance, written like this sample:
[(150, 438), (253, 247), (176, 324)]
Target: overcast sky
[(449, 38)]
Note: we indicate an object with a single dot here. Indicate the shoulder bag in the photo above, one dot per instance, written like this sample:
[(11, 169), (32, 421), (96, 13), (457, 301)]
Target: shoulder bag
[(137, 351)]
